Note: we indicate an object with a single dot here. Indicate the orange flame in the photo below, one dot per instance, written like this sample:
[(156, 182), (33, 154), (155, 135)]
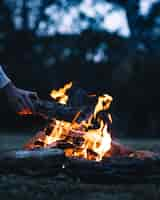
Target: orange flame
[(25, 112), (89, 139), (104, 103), (60, 95), (96, 140)]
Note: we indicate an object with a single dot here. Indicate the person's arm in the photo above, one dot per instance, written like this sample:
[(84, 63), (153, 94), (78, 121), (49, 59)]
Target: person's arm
[(4, 80), (20, 100)]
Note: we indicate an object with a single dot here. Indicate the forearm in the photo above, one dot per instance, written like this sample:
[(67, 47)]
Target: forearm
[(4, 80), (18, 99)]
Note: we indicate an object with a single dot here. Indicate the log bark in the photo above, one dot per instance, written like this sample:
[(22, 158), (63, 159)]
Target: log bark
[(113, 170), (39, 161), (51, 109)]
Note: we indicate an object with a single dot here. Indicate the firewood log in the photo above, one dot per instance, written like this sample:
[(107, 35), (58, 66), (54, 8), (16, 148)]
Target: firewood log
[(37, 161), (76, 138), (51, 109), (38, 140), (115, 170)]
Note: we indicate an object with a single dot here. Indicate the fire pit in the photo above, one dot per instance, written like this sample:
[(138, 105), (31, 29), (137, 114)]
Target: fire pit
[(77, 141)]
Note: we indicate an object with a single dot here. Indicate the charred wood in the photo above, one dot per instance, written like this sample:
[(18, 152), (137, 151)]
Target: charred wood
[(75, 136)]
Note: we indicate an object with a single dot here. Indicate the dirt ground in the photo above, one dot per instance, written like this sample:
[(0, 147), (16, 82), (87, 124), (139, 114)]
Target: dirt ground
[(63, 188)]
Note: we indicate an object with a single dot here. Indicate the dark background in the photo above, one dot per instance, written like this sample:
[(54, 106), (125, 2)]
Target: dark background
[(94, 58)]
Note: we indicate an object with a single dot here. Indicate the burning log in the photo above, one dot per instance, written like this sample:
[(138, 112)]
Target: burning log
[(78, 102), (38, 142), (51, 109)]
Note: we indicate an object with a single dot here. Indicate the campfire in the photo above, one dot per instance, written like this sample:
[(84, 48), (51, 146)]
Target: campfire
[(86, 137), (89, 139), (77, 142)]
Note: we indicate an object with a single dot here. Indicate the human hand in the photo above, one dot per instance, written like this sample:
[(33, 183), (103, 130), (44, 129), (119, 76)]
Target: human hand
[(20, 100)]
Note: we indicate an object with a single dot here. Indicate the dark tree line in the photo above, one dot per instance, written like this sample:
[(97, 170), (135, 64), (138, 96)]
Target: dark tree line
[(129, 70)]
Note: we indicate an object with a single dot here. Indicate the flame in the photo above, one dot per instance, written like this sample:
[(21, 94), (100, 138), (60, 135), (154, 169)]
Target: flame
[(88, 139), (59, 131), (25, 112), (95, 141), (60, 95), (104, 103), (101, 142)]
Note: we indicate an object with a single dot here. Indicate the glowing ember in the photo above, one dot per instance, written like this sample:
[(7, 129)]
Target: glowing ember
[(60, 95), (25, 112)]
